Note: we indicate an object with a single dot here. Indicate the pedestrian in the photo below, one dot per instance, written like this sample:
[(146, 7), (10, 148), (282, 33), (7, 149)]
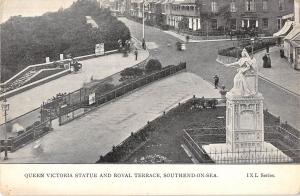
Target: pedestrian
[(216, 78), (144, 44), (269, 60), (223, 92), (265, 61), (281, 53), (267, 49), (230, 33), (187, 38), (136, 54)]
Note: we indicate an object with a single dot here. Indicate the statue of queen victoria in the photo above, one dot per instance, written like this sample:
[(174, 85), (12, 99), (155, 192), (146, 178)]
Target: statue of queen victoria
[(240, 85)]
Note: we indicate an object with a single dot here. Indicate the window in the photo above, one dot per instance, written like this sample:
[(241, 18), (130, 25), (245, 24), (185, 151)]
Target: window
[(265, 23), (233, 24), (281, 5), (250, 5), (279, 23), (232, 6), (265, 5), (214, 24), (214, 6)]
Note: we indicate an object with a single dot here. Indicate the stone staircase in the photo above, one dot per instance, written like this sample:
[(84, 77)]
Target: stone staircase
[(20, 81)]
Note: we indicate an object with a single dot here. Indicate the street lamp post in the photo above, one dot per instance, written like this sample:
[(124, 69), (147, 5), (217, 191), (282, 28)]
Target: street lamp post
[(252, 43), (145, 3), (5, 108), (143, 20)]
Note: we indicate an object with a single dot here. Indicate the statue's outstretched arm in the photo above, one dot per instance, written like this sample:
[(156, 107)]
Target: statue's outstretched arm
[(229, 64), (232, 64)]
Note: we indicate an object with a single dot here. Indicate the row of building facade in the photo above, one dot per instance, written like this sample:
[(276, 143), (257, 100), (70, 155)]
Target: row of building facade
[(266, 16)]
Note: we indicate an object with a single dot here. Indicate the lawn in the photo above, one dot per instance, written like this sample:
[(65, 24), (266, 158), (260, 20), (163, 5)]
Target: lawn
[(164, 143)]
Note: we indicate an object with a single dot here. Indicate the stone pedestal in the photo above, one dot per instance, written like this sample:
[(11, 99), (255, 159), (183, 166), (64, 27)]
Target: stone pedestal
[(244, 122)]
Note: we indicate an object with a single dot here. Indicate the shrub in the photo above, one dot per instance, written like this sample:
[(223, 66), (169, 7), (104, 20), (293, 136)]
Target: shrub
[(131, 72), (46, 129), (36, 123), (103, 88), (149, 23), (153, 65), (165, 27)]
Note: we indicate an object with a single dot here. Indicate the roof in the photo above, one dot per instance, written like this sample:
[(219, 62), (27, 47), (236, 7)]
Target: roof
[(189, 2), (295, 43), (160, 2), (285, 29), (177, 2), (294, 33), (297, 38), (136, 1), (287, 16), (151, 1)]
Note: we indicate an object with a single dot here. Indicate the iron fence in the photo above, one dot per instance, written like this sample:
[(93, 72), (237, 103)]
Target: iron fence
[(252, 156), (20, 124), (32, 133), (82, 105), (286, 142)]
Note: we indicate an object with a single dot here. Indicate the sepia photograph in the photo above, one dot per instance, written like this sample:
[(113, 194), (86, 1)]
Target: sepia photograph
[(185, 83)]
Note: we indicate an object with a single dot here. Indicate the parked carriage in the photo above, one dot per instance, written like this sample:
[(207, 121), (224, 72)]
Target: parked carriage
[(75, 66)]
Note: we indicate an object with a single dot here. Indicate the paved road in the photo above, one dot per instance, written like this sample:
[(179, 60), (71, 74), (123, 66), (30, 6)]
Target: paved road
[(110, 124), (99, 68), (201, 60)]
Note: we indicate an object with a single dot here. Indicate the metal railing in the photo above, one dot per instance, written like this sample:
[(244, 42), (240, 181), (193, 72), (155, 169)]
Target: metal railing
[(67, 114), (35, 132), (287, 147)]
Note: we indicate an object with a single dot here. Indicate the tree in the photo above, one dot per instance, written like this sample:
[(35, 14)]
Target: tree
[(28, 40), (183, 23), (225, 14), (153, 65)]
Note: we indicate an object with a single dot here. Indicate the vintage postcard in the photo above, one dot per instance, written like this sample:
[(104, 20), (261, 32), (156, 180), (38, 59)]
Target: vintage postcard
[(149, 97)]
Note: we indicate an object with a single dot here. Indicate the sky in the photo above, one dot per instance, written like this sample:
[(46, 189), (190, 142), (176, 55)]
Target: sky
[(10, 8)]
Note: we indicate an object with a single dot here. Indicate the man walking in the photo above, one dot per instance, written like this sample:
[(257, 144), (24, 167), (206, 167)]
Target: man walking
[(136, 54), (216, 78)]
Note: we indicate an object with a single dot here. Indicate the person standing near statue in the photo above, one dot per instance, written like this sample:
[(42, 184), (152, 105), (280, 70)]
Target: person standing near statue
[(223, 92)]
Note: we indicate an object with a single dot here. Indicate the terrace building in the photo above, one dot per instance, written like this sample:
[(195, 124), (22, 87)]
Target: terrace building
[(265, 16), (136, 8), (185, 12), (292, 40)]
